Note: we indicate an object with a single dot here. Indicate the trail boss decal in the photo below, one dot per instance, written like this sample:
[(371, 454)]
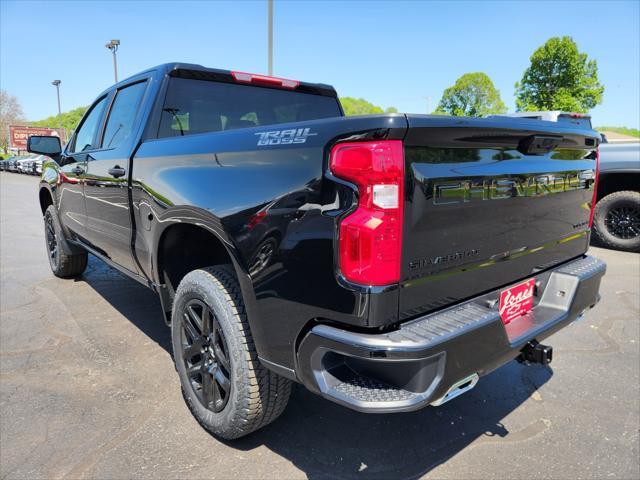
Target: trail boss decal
[(284, 137), (516, 301)]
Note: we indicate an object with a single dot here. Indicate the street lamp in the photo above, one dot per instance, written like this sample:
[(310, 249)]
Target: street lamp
[(270, 36), (56, 83), (113, 46), (428, 99)]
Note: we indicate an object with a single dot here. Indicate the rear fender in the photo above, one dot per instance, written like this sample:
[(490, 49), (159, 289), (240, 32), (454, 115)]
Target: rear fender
[(204, 219)]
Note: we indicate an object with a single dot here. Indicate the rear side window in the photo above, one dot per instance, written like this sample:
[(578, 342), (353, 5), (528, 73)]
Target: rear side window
[(198, 106), (122, 115), (87, 132)]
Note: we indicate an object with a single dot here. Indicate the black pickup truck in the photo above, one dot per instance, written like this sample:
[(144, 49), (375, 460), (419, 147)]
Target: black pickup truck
[(386, 262)]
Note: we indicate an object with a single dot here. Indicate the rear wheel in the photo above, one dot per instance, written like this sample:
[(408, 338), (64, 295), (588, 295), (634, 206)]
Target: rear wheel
[(62, 264), (224, 384), (616, 220)]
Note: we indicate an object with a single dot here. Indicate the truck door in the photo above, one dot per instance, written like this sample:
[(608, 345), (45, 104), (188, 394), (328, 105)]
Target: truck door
[(106, 187), (73, 164)]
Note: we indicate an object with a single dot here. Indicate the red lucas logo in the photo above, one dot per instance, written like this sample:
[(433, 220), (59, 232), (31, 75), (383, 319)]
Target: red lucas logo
[(516, 301)]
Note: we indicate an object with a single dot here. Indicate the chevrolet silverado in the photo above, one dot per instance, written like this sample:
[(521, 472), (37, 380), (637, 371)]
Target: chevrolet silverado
[(385, 262)]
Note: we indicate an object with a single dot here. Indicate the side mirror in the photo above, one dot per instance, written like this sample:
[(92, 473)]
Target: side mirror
[(44, 145)]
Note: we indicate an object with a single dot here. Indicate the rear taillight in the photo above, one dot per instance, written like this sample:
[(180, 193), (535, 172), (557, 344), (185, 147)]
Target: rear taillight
[(245, 77), (595, 189), (370, 238)]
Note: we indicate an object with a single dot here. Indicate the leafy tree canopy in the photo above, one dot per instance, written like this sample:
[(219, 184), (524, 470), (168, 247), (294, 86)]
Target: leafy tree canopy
[(559, 78), (359, 106), (473, 95), (67, 120)]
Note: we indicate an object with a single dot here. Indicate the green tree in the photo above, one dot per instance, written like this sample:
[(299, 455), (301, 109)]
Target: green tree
[(67, 120), (473, 95), (359, 106), (559, 78), (10, 114)]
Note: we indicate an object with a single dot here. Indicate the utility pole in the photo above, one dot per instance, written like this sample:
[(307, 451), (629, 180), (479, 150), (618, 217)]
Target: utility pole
[(270, 34), (113, 46), (56, 83)]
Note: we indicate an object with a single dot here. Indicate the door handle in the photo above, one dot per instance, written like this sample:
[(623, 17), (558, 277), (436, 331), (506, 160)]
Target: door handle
[(117, 172), (77, 171)]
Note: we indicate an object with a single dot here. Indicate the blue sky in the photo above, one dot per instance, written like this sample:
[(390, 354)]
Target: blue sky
[(391, 53)]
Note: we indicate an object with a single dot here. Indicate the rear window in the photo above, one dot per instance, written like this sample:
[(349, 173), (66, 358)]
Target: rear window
[(198, 106)]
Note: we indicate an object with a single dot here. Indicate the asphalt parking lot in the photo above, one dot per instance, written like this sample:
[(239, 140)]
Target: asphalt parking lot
[(88, 390)]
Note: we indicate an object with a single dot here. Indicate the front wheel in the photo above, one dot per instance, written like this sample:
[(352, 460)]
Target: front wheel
[(63, 264), (616, 221), (224, 384)]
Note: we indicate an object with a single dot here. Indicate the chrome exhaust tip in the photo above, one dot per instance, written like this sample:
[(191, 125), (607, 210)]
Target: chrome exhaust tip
[(457, 389)]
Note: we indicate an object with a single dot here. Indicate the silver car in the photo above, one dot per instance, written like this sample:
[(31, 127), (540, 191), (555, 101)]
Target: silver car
[(21, 163)]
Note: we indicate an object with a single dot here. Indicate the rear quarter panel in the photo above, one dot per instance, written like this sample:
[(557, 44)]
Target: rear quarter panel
[(221, 180)]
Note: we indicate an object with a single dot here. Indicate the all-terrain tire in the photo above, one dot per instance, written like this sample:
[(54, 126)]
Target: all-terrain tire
[(257, 396), (63, 264), (617, 216)]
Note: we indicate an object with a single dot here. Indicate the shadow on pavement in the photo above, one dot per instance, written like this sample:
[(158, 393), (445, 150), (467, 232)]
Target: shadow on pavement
[(325, 440), (134, 301)]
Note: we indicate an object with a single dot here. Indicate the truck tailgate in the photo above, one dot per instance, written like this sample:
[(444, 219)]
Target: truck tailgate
[(488, 202)]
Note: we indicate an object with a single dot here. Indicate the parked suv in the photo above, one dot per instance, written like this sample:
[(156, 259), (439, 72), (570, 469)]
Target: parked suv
[(386, 262)]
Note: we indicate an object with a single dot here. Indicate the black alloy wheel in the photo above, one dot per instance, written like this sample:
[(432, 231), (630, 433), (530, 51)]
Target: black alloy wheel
[(623, 222), (206, 355), (66, 261), (52, 242), (224, 384), (616, 221)]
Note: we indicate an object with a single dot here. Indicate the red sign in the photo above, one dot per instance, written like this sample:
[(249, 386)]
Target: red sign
[(18, 135), (516, 301)]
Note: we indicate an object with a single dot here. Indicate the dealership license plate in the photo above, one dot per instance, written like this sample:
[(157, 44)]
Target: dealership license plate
[(516, 301)]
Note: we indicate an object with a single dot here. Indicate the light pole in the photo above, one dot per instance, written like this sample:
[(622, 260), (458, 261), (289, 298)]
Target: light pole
[(270, 35), (113, 46), (56, 83)]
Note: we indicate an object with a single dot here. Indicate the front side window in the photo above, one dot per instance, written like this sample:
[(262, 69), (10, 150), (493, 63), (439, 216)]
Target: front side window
[(198, 106), (87, 133), (123, 113)]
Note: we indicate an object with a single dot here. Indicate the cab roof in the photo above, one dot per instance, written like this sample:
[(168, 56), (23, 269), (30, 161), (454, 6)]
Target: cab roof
[(199, 72)]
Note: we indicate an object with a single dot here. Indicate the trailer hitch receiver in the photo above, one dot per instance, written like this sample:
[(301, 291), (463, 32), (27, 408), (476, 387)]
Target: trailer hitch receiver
[(534, 352)]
